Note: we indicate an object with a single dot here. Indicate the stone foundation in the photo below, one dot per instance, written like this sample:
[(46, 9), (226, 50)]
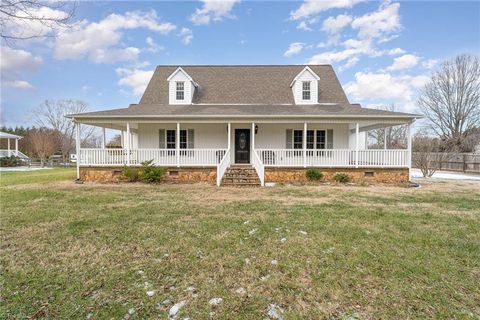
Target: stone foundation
[(285, 175), (174, 174), (358, 175)]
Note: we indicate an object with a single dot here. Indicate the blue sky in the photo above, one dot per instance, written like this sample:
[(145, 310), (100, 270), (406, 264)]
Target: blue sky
[(383, 52)]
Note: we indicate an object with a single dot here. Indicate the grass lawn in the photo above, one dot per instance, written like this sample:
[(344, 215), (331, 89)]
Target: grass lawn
[(335, 252)]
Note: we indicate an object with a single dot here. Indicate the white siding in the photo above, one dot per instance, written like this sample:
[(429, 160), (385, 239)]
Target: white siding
[(274, 135), (206, 135), (189, 89), (306, 75)]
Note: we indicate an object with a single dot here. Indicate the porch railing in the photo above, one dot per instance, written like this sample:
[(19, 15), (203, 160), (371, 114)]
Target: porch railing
[(259, 167), (223, 166), (332, 158), (160, 157)]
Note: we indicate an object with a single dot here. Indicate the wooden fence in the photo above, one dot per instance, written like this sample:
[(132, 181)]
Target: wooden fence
[(462, 162)]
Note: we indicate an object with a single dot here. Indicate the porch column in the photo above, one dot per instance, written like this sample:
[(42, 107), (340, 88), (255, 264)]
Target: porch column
[(77, 145), (253, 136), (357, 131), (229, 135), (104, 142), (177, 144), (304, 144), (128, 143), (409, 150), (385, 138), (16, 146), (8, 146)]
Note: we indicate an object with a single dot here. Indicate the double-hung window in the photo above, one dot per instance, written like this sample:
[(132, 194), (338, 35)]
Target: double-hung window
[(180, 90), (170, 139), (297, 139), (321, 139), (306, 90)]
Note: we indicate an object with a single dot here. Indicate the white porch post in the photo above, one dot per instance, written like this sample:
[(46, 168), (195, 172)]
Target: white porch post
[(385, 138), (16, 146), (409, 150), (357, 130), (122, 139), (77, 141), (128, 143), (229, 135), (253, 138), (8, 146), (177, 144), (304, 144), (104, 141)]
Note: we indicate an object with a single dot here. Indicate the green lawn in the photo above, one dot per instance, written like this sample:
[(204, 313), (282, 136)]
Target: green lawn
[(94, 250)]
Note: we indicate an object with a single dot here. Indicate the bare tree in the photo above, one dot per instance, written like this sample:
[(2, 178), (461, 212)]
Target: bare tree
[(451, 100), (428, 153), (42, 142), (115, 142), (51, 114), (27, 19), (396, 135)]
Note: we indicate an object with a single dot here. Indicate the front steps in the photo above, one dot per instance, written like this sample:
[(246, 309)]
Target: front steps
[(240, 176)]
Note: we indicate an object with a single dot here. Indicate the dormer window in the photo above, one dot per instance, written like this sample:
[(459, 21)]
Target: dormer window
[(306, 90), (180, 90)]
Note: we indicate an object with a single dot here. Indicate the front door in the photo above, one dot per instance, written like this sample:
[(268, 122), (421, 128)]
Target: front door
[(242, 145)]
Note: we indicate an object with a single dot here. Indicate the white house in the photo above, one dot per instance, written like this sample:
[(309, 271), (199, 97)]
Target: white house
[(246, 125)]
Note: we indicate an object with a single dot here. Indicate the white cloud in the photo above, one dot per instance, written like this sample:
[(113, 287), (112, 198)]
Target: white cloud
[(135, 79), (19, 84), (186, 35), (213, 10), (14, 63), (152, 45), (383, 87), (350, 63), (312, 7), (25, 23), (430, 63), (294, 48), (378, 24), (99, 40), (404, 62), (396, 51), (304, 26), (335, 24)]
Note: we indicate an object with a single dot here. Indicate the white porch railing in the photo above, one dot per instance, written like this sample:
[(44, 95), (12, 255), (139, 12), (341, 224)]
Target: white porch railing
[(259, 167), (223, 166), (160, 157), (332, 158)]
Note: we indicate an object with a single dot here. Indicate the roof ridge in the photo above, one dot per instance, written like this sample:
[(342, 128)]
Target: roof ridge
[(242, 65)]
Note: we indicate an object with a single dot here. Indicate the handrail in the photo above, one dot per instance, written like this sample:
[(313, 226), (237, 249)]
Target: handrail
[(259, 167), (223, 166)]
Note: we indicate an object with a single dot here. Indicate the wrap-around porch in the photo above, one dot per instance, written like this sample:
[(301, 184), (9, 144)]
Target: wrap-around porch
[(322, 144)]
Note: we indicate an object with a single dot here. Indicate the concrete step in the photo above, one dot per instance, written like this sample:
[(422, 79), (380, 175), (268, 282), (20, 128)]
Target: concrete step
[(240, 175)]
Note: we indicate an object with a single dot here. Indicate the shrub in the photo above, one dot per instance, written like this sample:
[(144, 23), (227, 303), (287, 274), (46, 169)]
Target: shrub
[(314, 174), (131, 174), (342, 178), (150, 173), (11, 161)]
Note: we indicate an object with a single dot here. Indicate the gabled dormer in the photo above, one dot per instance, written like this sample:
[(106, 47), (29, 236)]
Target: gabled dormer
[(305, 87), (181, 87)]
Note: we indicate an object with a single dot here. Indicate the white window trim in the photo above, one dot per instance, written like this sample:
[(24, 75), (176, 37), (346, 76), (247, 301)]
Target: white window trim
[(314, 138), (177, 90), (309, 90), (166, 134)]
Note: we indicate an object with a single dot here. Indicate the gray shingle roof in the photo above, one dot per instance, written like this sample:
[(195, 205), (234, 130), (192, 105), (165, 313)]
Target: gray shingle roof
[(244, 84), (212, 111), (244, 91)]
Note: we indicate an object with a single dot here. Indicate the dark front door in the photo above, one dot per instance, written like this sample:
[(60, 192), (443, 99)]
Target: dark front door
[(242, 145)]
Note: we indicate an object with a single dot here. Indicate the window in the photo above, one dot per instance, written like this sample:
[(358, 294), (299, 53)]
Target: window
[(170, 139), (306, 90), (321, 139), (187, 138), (180, 90), (297, 139), (310, 139), (183, 139)]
